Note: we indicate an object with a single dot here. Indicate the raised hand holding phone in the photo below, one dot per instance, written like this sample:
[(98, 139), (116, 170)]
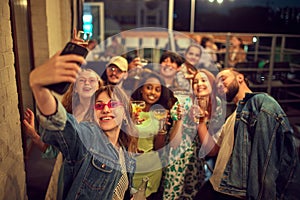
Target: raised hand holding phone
[(55, 70), (70, 48)]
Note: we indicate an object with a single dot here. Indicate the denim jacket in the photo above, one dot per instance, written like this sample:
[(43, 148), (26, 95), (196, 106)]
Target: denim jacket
[(91, 164), (264, 163)]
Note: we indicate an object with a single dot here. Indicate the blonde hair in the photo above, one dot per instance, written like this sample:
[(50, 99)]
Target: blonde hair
[(71, 97)]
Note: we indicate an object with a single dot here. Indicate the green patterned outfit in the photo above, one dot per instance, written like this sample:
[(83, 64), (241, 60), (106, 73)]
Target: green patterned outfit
[(185, 174)]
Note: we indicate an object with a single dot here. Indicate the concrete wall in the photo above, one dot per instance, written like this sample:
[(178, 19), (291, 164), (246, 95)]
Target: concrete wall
[(12, 170)]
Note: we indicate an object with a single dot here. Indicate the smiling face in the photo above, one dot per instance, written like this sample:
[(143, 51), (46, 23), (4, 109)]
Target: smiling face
[(193, 55), (86, 84), (114, 74), (227, 85), (201, 85), (110, 112), (151, 91), (168, 68)]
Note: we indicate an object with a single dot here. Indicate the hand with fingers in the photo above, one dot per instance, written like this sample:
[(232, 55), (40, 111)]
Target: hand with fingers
[(136, 118), (191, 73), (63, 68), (30, 125), (31, 132), (179, 112), (77, 40), (168, 118), (57, 69)]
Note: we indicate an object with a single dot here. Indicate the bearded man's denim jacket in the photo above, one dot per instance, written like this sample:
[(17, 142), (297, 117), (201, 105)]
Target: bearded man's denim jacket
[(264, 163), (91, 163)]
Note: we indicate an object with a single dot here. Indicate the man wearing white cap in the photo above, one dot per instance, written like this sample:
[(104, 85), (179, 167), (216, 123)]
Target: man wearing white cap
[(116, 70)]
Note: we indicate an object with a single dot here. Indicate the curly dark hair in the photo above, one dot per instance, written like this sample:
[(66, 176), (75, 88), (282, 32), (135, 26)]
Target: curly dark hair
[(173, 56), (166, 99)]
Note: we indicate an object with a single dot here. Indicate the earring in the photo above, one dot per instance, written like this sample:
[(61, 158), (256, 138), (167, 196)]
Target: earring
[(125, 121)]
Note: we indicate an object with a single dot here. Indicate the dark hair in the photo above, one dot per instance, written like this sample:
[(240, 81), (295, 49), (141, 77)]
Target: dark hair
[(235, 71), (131, 55), (104, 76), (166, 99), (173, 56), (204, 40), (130, 84)]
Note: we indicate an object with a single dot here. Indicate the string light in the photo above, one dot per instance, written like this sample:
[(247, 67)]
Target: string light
[(219, 1)]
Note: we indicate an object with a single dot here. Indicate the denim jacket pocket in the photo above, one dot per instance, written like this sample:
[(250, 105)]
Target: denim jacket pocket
[(248, 118), (98, 175)]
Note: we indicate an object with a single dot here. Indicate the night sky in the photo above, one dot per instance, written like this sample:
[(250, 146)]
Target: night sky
[(278, 3), (265, 16), (228, 4)]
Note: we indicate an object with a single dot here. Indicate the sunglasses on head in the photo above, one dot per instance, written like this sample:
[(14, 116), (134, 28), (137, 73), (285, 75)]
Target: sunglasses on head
[(110, 104)]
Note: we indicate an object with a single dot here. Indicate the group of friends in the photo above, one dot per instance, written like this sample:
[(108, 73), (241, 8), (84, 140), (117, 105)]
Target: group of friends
[(108, 149)]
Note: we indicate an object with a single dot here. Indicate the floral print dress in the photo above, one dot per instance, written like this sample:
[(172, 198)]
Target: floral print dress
[(185, 174)]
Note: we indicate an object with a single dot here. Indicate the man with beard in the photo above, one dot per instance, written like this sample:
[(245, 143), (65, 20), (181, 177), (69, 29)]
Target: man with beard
[(116, 71), (257, 158)]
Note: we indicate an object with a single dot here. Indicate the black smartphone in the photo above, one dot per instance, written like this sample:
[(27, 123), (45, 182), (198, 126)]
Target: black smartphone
[(70, 48)]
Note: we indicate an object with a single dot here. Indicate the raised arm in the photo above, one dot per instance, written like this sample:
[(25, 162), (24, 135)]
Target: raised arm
[(57, 69), (176, 130), (31, 132)]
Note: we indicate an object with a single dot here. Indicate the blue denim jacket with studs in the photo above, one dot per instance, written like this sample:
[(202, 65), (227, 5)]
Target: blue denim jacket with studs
[(91, 163), (264, 163)]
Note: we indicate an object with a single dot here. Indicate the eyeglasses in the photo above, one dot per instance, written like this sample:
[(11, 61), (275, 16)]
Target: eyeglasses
[(90, 80), (114, 69), (110, 104)]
